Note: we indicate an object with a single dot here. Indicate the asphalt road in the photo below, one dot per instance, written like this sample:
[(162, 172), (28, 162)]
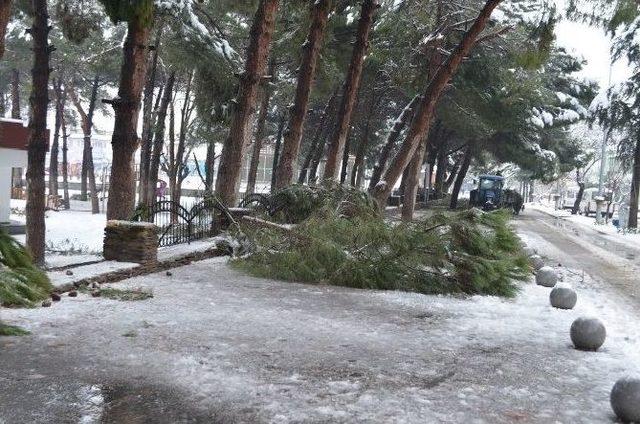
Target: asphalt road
[(614, 263)]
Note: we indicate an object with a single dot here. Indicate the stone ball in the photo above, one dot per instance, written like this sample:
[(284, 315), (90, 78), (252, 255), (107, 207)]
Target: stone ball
[(529, 251), (563, 297), (588, 333), (546, 276), (625, 399), (536, 262)]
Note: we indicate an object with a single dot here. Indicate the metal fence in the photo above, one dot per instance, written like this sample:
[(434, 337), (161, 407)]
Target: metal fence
[(177, 224)]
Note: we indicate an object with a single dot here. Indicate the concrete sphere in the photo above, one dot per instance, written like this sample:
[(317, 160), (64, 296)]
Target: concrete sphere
[(625, 399), (529, 251), (563, 297), (588, 333), (546, 277), (536, 262)]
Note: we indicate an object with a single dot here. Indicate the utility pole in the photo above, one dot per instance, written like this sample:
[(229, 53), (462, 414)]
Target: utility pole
[(603, 162)]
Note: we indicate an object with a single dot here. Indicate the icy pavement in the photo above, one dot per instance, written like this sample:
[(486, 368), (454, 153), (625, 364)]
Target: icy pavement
[(214, 345)]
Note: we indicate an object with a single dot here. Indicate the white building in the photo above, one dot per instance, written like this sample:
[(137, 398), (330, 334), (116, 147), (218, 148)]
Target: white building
[(14, 137)]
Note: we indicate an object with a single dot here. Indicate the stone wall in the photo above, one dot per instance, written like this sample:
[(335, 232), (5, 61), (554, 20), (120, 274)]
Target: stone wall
[(126, 241)]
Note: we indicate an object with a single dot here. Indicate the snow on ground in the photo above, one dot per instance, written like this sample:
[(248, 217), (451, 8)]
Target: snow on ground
[(607, 229), (269, 351), (72, 236)]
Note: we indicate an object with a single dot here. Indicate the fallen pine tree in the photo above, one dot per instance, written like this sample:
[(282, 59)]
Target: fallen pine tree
[(468, 252)]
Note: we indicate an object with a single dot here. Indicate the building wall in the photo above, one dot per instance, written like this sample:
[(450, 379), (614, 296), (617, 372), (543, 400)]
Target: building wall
[(9, 158)]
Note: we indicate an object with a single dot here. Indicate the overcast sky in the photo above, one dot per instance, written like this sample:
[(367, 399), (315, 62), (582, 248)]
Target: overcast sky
[(594, 45)]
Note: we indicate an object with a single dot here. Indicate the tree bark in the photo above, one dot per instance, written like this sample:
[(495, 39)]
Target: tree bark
[(320, 148), (452, 177), (357, 173), (158, 140), (464, 168), (352, 83), (317, 137), (38, 139), (394, 134), (209, 167), (53, 154), (5, 14), (65, 163), (148, 118), (426, 109), (276, 152), (257, 55), (293, 135), (441, 165), (260, 130), (124, 142), (412, 182), (635, 189), (88, 182), (15, 94)]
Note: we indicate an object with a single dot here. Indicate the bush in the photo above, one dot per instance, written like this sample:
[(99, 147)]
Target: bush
[(468, 252), (21, 282)]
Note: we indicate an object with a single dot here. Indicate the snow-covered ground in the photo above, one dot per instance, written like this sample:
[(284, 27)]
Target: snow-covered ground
[(268, 351), (589, 222)]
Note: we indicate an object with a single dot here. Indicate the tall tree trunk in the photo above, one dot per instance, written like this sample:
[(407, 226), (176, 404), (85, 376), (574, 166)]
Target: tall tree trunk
[(55, 145), (147, 118), (124, 142), (426, 109), (276, 152), (310, 51), (352, 83), (412, 182), (452, 177), (317, 137), (209, 166), (15, 94), (5, 14), (39, 102), (158, 140), (344, 164), (441, 165), (65, 163), (389, 144), (464, 168), (260, 129), (320, 148), (257, 55), (357, 173), (88, 182), (635, 189)]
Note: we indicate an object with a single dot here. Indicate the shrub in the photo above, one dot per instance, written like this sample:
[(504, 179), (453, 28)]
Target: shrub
[(468, 252), (21, 282)]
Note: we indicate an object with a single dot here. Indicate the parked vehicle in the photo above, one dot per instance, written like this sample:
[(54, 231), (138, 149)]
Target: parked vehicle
[(588, 204), (491, 195)]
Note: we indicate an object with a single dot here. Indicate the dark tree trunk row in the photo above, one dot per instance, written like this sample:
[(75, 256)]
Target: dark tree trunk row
[(244, 108), (148, 120), (65, 162), (260, 129), (340, 134), (293, 135), (37, 150), (158, 140), (318, 135)]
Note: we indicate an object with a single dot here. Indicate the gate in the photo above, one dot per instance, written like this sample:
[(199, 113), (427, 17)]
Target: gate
[(178, 225)]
